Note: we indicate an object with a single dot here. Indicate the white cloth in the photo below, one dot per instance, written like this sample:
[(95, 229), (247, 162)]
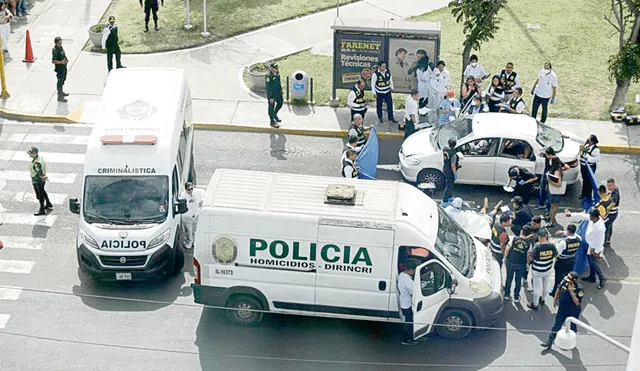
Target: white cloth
[(594, 234), (106, 31), (351, 100), (423, 82), (194, 202), (546, 83), (405, 289), (456, 214), (410, 108), (374, 78), (541, 285), (478, 72)]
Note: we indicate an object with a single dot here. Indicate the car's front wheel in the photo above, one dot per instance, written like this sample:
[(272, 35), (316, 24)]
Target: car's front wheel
[(432, 176)]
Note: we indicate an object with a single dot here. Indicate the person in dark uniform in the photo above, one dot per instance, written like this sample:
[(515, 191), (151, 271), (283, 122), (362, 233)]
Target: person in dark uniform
[(38, 170), (524, 180), (349, 167), (450, 167), (614, 195), (567, 249), (568, 299), (274, 94), (382, 86), (541, 257), (515, 104), (150, 6), (536, 225), (356, 101), (589, 156), (358, 130), (59, 59), (510, 81), (515, 258), (522, 215), (500, 238), (110, 43)]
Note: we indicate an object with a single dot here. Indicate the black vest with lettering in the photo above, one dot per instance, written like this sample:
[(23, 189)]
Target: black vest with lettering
[(345, 163), (513, 103), (508, 82), (615, 199), (359, 99), (543, 257), (519, 249), (383, 82), (496, 231), (362, 137), (572, 245)]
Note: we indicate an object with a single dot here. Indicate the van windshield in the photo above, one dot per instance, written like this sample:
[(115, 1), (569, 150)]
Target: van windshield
[(126, 199), (455, 244)]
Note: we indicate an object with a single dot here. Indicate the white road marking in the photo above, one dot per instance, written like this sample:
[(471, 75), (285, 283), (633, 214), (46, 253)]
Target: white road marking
[(4, 318), (45, 138), (8, 293), (67, 178), (22, 196), (49, 157), (389, 167), (16, 266), (28, 219), (19, 242)]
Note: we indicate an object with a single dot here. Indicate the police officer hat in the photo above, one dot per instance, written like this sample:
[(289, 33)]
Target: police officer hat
[(112, 18), (57, 39), (33, 149)]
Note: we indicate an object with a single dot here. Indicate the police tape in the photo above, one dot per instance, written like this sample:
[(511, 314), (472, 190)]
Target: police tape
[(262, 311)]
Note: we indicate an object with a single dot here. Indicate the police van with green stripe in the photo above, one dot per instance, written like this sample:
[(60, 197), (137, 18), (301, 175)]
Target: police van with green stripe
[(333, 247)]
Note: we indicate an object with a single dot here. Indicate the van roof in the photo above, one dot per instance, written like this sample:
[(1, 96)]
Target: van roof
[(301, 194)]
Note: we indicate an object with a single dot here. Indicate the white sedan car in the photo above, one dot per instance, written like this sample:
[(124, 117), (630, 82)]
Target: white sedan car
[(490, 144)]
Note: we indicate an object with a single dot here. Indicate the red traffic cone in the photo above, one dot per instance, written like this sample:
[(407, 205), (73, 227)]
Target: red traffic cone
[(28, 51)]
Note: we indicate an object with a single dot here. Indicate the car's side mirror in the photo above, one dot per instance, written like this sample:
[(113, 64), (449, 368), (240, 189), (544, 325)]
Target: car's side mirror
[(74, 205), (181, 206)]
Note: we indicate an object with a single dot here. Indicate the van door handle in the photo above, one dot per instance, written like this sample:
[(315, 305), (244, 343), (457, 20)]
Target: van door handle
[(382, 285), (419, 307)]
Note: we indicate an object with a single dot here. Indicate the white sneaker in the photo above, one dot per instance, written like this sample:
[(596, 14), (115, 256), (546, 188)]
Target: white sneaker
[(529, 289), (516, 299)]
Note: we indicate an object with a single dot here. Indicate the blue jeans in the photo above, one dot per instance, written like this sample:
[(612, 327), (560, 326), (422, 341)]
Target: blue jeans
[(21, 7), (407, 331), (543, 197), (514, 271)]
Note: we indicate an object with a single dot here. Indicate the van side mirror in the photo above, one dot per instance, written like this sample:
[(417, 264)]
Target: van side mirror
[(74, 205), (451, 283), (180, 206)]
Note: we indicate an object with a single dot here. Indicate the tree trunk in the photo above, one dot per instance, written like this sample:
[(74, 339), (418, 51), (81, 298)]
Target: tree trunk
[(620, 96), (466, 54)]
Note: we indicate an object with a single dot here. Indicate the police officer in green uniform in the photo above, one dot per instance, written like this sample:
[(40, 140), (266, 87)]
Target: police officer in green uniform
[(450, 168), (38, 170), (59, 59), (568, 299), (567, 249), (349, 167), (110, 43), (274, 94)]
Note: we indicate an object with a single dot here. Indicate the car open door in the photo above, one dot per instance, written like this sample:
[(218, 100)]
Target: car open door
[(431, 286)]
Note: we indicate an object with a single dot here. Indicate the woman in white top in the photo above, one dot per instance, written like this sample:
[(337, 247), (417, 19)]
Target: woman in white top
[(495, 94), (5, 25)]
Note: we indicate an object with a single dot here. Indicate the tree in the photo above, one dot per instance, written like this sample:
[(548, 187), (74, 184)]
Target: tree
[(480, 23), (624, 66)]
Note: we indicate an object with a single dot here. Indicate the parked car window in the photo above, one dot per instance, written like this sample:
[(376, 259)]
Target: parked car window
[(456, 129), (550, 137), (479, 147), (516, 148)]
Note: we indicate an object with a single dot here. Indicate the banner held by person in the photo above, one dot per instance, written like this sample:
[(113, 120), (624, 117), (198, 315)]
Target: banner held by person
[(368, 157)]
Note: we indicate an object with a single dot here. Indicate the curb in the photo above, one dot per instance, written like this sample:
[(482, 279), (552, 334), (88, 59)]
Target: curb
[(17, 116)]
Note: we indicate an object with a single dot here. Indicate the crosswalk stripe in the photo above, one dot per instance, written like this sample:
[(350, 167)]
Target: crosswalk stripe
[(8, 293), (49, 157), (4, 318), (22, 196), (44, 138), (67, 178), (20, 242), (28, 219), (16, 266)]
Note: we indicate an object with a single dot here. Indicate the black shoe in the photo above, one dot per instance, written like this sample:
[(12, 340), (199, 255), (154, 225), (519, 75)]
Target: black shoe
[(65, 94), (40, 212), (532, 307), (146, 28), (410, 342), (394, 121), (601, 285), (62, 99), (581, 197), (541, 303), (49, 207), (274, 124), (547, 344), (278, 119), (380, 121), (121, 66), (157, 28), (586, 279)]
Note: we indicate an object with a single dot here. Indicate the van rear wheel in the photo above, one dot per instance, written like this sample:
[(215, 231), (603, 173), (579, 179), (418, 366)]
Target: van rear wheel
[(242, 310), (454, 324)]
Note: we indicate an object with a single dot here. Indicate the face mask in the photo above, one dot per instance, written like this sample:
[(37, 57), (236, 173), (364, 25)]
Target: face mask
[(474, 64), (547, 71), (450, 99)]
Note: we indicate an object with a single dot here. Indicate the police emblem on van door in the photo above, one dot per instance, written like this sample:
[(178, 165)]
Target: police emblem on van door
[(123, 235), (225, 249)]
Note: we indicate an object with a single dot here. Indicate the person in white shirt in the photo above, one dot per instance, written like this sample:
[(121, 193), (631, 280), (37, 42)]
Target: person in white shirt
[(349, 168), (405, 290), (411, 115), (356, 101), (544, 90), (423, 74), (589, 156), (439, 82), (476, 70), (594, 236), (515, 104), (510, 80), (382, 86), (195, 198)]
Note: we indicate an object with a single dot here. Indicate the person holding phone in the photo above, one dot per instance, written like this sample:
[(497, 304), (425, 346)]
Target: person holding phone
[(568, 300)]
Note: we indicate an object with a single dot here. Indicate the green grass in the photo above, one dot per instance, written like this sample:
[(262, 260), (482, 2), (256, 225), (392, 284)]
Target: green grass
[(573, 36), (224, 18)]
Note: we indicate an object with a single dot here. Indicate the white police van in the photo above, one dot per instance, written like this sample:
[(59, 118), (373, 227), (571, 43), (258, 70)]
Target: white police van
[(138, 158), (334, 247)]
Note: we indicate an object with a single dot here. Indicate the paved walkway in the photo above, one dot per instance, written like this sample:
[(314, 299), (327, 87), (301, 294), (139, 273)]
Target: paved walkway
[(214, 71)]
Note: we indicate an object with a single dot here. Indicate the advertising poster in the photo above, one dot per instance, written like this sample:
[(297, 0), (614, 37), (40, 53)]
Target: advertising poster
[(357, 57), (404, 54)]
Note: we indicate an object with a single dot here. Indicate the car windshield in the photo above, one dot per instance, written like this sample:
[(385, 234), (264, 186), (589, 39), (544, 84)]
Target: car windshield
[(455, 244), (457, 129), (126, 199), (549, 137)]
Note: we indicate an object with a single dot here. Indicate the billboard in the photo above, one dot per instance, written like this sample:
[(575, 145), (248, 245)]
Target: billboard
[(357, 56), (403, 60)]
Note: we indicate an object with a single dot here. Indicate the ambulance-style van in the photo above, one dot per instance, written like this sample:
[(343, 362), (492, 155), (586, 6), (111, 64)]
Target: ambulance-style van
[(139, 156), (334, 247)]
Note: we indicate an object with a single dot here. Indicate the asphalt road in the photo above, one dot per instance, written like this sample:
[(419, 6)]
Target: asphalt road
[(62, 323)]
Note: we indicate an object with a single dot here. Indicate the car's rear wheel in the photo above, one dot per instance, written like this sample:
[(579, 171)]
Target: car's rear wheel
[(432, 176)]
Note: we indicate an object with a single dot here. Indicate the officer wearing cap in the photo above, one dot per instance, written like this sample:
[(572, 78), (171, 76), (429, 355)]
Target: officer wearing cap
[(274, 94), (110, 43), (568, 299), (59, 59), (38, 170)]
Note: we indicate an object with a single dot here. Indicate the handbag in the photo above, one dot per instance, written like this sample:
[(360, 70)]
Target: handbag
[(557, 191)]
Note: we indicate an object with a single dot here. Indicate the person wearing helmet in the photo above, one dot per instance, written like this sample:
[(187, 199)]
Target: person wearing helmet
[(449, 107), (524, 181), (38, 170)]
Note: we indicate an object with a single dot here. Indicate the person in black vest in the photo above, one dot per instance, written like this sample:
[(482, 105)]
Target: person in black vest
[(59, 59), (589, 156), (515, 258), (614, 195), (150, 6), (358, 130), (567, 248), (510, 81), (349, 167), (449, 168), (541, 257), (515, 104), (110, 43), (356, 101), (382, 86), (524, 180), (522, 215), (536, 225), (568, 299), (500, 238)]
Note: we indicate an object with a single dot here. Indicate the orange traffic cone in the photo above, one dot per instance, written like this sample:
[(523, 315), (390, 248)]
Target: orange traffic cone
[(28, 51)]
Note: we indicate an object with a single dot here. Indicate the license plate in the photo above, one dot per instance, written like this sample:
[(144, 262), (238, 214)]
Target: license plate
[(123, 276)]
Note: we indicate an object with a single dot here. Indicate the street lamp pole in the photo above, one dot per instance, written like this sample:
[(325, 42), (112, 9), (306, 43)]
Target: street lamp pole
[(338, 8), (188, 26), (204, 33)]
